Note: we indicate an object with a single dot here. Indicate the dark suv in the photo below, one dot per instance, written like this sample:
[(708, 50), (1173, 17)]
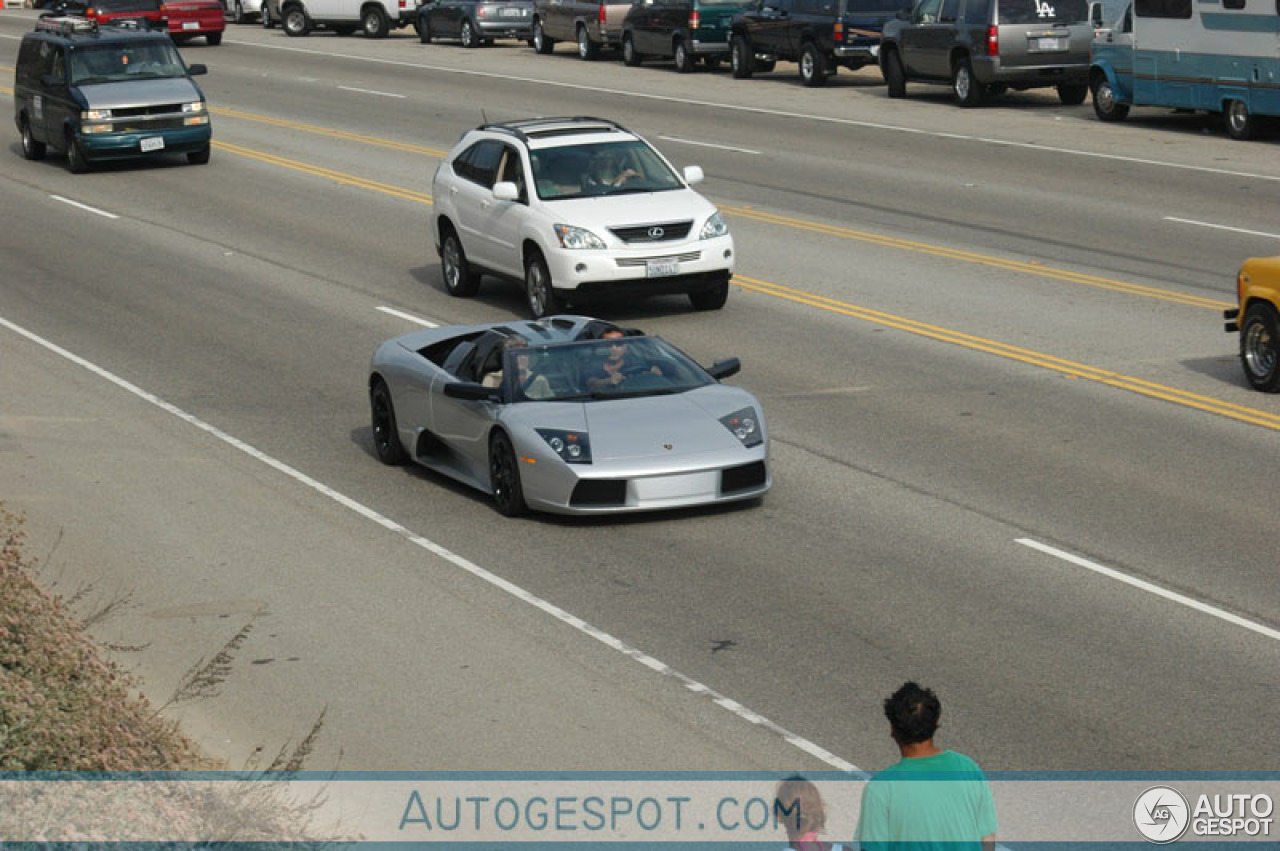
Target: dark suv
[(983, 47), (818, 35), (683, 30)]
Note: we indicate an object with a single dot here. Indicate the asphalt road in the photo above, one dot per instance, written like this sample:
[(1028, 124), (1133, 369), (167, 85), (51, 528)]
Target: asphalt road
[(1014, 455)]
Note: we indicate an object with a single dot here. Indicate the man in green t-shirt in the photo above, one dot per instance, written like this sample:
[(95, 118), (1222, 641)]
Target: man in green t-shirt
[(931, 800)]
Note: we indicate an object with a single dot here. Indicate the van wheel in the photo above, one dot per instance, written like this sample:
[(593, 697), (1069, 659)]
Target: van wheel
[(296, 23), (374, 22), (538, 288), (31, 149), (587, 49), (895, 77), (1105, 104), (967, 90), (685, 61), (1072, 95), (741, 59), (629, 55), (1240, 124), (1260, 347), (77, 163), (541, 44), (813, 65), (468, 36), (200, 157)]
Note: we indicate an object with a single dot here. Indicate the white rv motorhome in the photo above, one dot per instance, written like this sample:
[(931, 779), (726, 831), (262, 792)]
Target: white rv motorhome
[(1220, 56)]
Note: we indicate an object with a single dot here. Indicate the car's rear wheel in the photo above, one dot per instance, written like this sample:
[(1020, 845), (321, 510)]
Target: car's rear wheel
[(424, 31), (31, 149), (267, 23), (213, 39), (77, 162), (741, 60), (386, 436), (895, 76), (296, 23), (374, 22), (468, 35), (539, 290), (968, 91), (1105, 104), (813, 65), (685, 61), (587, 49), (541, 44), (459, 278), (504, 477), (629, 54), (1071, 94), (237, 13), (712, 299), (1241, 124), (200, 157), (1260, 348)]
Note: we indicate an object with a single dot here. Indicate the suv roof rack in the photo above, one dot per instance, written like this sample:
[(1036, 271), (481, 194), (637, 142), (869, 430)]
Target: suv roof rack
[(65, 24), (528, 128)]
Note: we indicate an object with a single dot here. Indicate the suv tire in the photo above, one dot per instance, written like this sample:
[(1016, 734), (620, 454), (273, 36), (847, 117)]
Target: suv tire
[(1105, 104), (200, 157), (539, 292), (685, 61), (742, 59), (31, 149), (812, 65), (295, 22), (424, 31), (76, 161), (467, 35), (374, 22), (967, 90), (1260, 347), (1073, 94), (459, 278), (895, 76), (712, 299), (587, 49), (267, 23), (541, 44), (630, 57)]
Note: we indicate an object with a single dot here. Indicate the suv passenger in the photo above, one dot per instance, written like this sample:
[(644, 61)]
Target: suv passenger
[(819, 35), (984, 47), (591, 24), (683, 30), (106, 93), (576, 208)]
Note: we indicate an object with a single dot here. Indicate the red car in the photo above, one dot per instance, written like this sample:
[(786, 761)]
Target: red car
[(193, 18), (117, 11), (185, 19)]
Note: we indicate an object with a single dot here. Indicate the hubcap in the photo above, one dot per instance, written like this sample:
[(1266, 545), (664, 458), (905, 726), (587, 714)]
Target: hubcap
[(381, 423), (537, 290), (452, 266), (1105, 97), (1238, 115), (582, 43), (962, 83), (1259, 350)]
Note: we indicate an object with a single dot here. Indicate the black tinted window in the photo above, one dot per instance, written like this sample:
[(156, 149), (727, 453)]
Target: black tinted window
[(1162, 8), (479, 163), (1044, 12), (857, 7), (976, 11)]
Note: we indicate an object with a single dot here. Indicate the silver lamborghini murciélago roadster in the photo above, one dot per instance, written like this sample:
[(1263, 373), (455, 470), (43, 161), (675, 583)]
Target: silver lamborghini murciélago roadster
[(565, 415)]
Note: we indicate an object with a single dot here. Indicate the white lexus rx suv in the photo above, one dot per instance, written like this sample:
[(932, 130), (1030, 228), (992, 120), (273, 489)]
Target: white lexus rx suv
[(577, 209)]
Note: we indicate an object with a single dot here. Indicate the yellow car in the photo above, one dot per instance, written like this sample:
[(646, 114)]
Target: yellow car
[(1258, 291)]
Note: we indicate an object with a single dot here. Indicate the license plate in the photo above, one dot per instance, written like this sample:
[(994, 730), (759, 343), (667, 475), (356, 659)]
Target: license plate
[(662, 267), (1049, 43), (511, 13), (195, 25), (155, 143)]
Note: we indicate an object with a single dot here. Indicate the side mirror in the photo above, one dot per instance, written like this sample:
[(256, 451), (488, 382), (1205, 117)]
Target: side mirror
[(1095, 15), (471, 392), (197, 69), (505, 190), (693, 174), (724, 368)]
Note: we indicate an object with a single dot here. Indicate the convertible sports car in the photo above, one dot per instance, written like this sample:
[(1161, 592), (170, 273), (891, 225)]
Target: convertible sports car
[(552, 415)]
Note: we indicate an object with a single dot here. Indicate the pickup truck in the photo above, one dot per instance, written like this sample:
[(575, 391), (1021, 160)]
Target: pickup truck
[(1258, 294)]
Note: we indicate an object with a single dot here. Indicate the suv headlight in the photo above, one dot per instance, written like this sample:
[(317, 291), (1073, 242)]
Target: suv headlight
[(572, 446), (714, 227), (571, 237), (745, 425), (96, 115), (196, 106)]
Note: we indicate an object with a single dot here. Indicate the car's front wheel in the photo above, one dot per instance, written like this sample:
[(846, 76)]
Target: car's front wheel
[(587, 49), (386, 435), (895, 76), (424, 31), (374, 22), (31, 149), (296, 23), (1260, 347), (468, 35), (1240, 124), (77, 162), (1105, 104), (968, 91), (200, 157), (630, 56), (539, 291), (459, 278), (813, 65), (685, 61), (741, 59), (712, 299), (504, 477), (541, 44)]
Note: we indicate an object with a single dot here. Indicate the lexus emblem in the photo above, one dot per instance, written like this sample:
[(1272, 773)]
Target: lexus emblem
[(656, 233)]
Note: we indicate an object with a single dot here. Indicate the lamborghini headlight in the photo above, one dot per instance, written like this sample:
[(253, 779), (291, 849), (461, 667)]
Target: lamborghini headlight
[(572, 237), (714, 227), (745, 425), (572, 446)]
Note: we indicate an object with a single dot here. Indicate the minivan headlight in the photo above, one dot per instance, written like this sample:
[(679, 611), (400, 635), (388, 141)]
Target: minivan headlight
[(195, 106), (714, 227), (571, 237), (96, 115)]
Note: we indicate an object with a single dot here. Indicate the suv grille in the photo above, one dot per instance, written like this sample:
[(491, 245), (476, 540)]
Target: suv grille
[(664, 232), (160, 109)]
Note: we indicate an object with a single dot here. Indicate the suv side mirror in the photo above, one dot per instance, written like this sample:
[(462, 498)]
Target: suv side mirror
[(693, 174), (505, 190), (1095, 14)]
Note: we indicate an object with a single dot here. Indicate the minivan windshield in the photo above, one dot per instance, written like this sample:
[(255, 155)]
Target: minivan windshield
[(600, 168), (109, 63), (1044, 12)]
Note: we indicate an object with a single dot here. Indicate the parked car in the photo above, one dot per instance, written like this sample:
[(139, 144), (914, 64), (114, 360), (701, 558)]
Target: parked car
[(683, 30), (475, 22), (245, 11), (667, 434), (376, 17), (819, 35), (576, 209), (1257, 318), (591, 24), (148, 13), (190, 19), (106, 93), (270, 12), (984, 47)]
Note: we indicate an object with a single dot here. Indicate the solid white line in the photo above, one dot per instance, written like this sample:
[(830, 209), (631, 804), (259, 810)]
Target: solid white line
[(1221, 227), (445, 554), (756, 110), (1151, 588), (371, 92), (709, 145), (410, 317), (85, 207)]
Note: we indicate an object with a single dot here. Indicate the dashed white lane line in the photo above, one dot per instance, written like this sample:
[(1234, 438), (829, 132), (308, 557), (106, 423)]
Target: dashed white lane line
[(84, 207), (709, 145), (447, 555), (372, 92), (409, 317), (1221, 227), (1151, 588)]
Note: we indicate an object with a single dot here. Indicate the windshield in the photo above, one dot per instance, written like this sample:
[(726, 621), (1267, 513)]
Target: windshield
[(603, 168), (105, 63), (602, 369)]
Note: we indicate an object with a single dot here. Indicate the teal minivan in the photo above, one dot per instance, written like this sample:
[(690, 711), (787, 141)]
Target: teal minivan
[(683, 30), (107, 93)]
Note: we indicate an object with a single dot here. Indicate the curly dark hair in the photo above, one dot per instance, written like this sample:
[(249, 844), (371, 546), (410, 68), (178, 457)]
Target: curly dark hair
[(913, 713)]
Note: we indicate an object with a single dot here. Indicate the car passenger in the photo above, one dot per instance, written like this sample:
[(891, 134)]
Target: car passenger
[(532, 386)]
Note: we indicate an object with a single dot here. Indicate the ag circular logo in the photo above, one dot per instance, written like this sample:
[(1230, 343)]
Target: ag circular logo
[(1161, 814)]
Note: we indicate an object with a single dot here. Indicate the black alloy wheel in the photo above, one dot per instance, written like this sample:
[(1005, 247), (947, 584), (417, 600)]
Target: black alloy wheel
[(504, 476), (386, 438)]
